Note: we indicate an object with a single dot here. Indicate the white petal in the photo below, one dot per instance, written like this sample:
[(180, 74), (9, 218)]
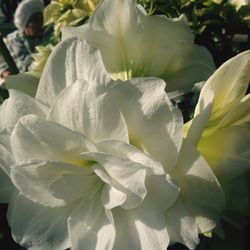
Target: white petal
[(26, 83), (229, 84), (112, 197), (233, 157), (42, 139), (181, 225), (197, 125), (124, 174), (134, 44), (68, 32), (91, 227), (85, 107), (201, 192), (125, 150), (161, 193), (239, 115), (36, 227), (188, 64), (18, 105), (228, 153), (70, 60), (53, 79), (147, 109), (53, 183), (136, 229)]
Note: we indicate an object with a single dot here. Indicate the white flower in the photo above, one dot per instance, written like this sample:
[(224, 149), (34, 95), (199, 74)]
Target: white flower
[(104, 168), (220, 129), (133, 44)]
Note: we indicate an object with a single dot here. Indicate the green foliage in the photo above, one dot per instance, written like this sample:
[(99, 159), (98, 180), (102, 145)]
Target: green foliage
[(169, 8), (200, 13), (48, 35), (214, 22)]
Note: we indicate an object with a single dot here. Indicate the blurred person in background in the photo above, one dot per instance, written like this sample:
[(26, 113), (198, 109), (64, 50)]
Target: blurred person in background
[(8, 8), (21, 43)]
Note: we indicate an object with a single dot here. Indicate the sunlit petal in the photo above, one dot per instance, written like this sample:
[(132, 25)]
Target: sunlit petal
[(134, 44), (74, 60), (53, 184), (144, 101), (201, 192), (18, 105), (38, 227), (91, 227), (36, 138), (88, 110), (139, 230)]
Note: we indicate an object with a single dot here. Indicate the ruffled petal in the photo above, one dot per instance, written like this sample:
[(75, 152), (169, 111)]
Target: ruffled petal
[(86, 108), (38, 227), (123, 174), (147, 109), (112, 197), (91, 227), (75, 60), (128, 151), (18, 105), (136, 229), (181, 225), (54, 184), (38, 138), (201, 192), (161, 190)]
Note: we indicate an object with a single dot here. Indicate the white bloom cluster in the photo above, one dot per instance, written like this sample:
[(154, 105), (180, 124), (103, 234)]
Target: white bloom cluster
[(98, 161)]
